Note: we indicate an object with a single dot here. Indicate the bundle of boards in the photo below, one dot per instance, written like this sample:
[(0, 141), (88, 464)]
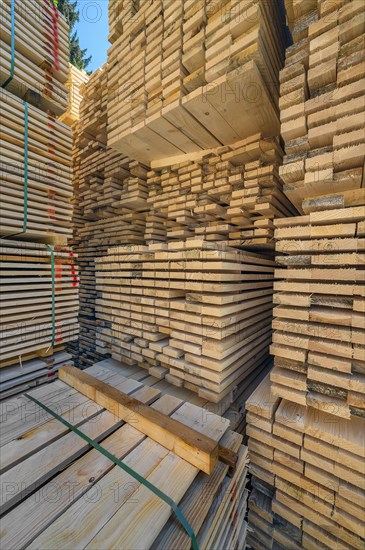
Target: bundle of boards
[(319, 323), (168, 98), (108, 183), (109, 202), (322, 106), (201, 310), (39, 290), (76, 79), (230, 194), (43, 454), (92, 240), (35, 178), (37, 67), (307, 475), (306, 423), (38, 297)]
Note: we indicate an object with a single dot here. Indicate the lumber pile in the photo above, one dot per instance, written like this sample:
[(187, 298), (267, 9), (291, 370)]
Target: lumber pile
[(308, 478), (231, 194), (201, 311), (74, 83), (39, 290), (237, 412), (319, 315), (206, 190), (109, 202), (43, 453), (322, 108), (306, 423), (39, 299), (92, 241), (35, 177), (108, 183), (167, 100), (40, 53)]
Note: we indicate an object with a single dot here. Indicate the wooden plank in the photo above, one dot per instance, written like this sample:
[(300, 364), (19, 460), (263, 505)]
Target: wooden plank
[(198, 450)]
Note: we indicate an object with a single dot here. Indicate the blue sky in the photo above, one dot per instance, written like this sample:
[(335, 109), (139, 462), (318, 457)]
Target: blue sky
[(93, 30)]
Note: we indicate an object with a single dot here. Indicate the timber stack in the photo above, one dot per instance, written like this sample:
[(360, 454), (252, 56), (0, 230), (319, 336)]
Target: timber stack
[(168, 99), (39, 290), (109, 202), (307, 423), (231, 194), (199, 311), (209, 197), (34, 54), (319, 329)]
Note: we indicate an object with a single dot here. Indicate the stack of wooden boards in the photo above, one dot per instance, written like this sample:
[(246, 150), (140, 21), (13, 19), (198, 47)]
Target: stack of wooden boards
[(35, 177), (308, 475), (163, 53), (201, 310), (39, 299), (307, 422), (319, 322), (110, 195), (39, 291), (46, 459), (76, 78), (106, 182), (36, 68), (216, 65), (322, 106), (231, 194)]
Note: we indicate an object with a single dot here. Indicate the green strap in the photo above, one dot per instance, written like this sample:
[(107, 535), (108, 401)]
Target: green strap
[(12, 45), (53, 295), (180, 516), (25, 182)]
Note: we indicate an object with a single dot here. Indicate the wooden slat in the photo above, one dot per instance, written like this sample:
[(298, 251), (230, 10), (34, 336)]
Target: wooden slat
[(198, 450)]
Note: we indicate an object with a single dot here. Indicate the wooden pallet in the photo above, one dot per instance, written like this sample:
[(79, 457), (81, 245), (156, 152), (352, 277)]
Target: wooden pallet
[(49, 447), (215, 64), (312, 461), (30, 323)]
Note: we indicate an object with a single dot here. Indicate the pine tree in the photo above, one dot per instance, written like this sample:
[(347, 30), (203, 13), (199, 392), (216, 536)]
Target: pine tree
[(72, 15)]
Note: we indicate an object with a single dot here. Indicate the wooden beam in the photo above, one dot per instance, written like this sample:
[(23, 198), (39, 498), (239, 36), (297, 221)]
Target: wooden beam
[(187, 443)]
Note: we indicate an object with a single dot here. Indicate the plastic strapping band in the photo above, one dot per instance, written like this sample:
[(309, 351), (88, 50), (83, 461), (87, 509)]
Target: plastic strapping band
[(12, 45), (180, 516), (53, 294), (25, 183)]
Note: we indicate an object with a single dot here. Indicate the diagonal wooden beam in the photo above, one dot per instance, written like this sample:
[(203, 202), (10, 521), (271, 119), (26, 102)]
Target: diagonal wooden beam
[(187, 443)]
